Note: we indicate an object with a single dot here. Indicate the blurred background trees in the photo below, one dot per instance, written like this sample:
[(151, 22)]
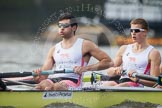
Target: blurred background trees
[(32, 16)]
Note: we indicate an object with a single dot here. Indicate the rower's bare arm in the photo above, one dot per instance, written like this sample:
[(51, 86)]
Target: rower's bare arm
[(116, 70), (155, 60), (49, 62), (104, 60), (47, 66), (161, 68)]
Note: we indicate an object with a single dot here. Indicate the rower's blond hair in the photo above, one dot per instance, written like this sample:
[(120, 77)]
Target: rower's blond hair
[(142, 22)]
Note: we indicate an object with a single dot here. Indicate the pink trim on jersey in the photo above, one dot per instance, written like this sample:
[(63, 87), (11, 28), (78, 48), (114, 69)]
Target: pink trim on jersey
[(79, 80), (71, 83), (147, 68), (82, 63), (133, 84)]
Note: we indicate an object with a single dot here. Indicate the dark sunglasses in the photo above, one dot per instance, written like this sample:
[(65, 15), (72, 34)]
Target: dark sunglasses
[(137, 30), (62, 25)]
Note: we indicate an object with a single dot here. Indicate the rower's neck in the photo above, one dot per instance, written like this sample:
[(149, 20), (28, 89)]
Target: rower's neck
[(67, 43), (140, 47)]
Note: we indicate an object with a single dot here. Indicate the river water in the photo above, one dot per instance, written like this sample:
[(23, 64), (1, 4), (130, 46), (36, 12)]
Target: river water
[(26, 55)]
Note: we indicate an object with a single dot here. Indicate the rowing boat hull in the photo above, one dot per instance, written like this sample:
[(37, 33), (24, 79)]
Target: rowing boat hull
[(100, 98)]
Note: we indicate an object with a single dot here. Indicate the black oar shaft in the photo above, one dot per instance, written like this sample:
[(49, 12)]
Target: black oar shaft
[(15, 74), (145, 77), (24, 74)]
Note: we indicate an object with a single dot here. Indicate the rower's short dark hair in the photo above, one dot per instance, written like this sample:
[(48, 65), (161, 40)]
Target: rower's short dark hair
[(142, 22), (68, 16)]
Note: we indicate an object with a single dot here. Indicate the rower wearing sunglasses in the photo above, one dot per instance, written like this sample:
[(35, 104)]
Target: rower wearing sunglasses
[(70, 53), (138, 57)]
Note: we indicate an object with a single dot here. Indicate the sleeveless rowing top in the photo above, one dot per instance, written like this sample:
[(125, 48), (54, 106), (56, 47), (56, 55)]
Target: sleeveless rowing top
[(136, 61), (68, 59)]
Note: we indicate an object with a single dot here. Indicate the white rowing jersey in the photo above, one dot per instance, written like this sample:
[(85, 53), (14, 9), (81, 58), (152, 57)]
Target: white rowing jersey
[(68, 59), (136, 61)]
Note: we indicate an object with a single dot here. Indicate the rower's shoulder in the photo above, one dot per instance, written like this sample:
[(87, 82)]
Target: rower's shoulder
[(155, 53), (122, 48), (51, 50), (89, 43)]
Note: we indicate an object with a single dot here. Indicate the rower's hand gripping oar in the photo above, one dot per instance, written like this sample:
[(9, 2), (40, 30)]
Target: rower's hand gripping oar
[(24, 74), (148, 77)]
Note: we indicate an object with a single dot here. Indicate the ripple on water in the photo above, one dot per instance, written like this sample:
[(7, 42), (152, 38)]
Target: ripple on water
[(63, 105), (133, 104)]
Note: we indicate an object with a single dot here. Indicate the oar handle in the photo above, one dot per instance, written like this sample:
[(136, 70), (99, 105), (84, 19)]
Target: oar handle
[(49, 72)]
